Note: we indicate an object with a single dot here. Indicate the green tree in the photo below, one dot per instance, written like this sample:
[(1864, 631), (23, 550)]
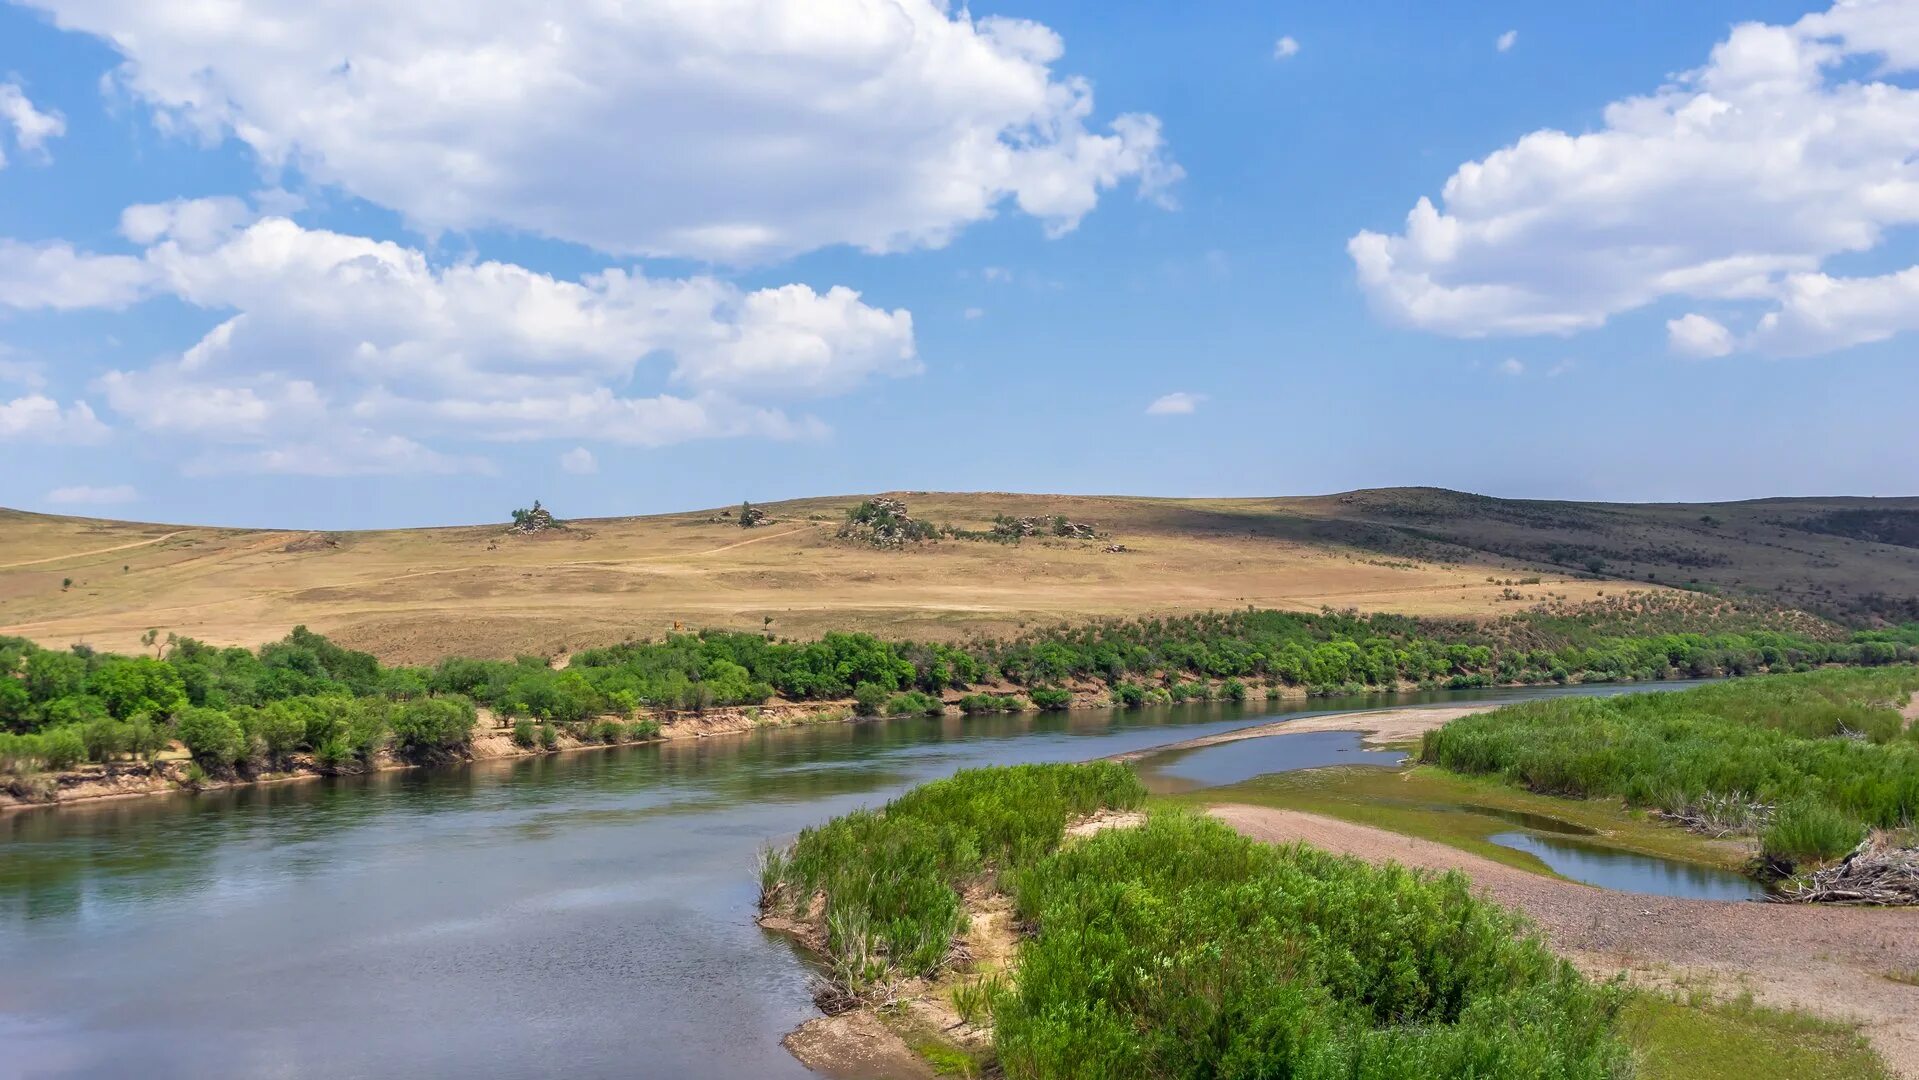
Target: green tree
[(213, 738), (137, 684)]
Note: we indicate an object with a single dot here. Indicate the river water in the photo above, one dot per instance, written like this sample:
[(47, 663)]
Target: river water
[(585, 914)]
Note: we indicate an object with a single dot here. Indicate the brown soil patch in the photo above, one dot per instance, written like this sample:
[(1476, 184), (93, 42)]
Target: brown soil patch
[(1825, 960)]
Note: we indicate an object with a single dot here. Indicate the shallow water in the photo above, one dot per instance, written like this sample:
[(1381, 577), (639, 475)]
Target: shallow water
[(587, 913), (1628, 871)]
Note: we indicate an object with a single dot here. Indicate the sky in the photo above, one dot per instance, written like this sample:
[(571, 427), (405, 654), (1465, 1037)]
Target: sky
[(272, 263)]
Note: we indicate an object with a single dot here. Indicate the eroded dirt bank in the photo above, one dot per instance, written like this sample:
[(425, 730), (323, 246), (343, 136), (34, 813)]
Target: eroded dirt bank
[(1833, 961)]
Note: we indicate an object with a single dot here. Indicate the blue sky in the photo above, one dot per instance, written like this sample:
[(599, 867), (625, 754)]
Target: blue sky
[(360, 283)]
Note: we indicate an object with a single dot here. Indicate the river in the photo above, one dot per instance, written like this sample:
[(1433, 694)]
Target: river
[(585, 914)]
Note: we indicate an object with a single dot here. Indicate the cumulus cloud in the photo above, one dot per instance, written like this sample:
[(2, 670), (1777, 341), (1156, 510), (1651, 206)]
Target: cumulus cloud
[(41, 419), (1178, 403), (735, 132), (54, 276), (1506, 41), (1732, 184), (84, 495), (579, 461), (1512, 366), (1698, 336), (333, 345), (1285, 48), (31, 127)]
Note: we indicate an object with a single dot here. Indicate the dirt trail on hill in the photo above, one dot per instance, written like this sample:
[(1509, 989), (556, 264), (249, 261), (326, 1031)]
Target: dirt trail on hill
[(84, 554), (1828, 960)]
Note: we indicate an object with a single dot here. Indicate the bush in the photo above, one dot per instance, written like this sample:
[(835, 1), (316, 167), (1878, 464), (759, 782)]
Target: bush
[(213, 738), (914, 703), (891, 877), (1235, 690), (1807, 831), (869, 698), (62, 747), (433, 725), (1181, 949), (973, 704), (1051, 698), (607, 731), (641, 730), (524, 733), (1129, 695), (549, 737)]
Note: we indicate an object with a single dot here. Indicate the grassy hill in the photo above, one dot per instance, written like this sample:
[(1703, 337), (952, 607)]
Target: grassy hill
[(418, 594)]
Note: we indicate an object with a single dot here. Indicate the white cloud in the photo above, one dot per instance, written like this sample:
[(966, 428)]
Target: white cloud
[(40, 419), (84, 495), (21, 372), (334, 345), (1698, 336), (1285, 48), (1732, 184), (1512, 366), (974, 313), (1506, 41), (55, 276), (31, 127), (1178, 403), (579, 461), (738, 131)]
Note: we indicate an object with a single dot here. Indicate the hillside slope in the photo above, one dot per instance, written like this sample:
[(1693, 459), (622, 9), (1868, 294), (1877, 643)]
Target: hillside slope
[(418, 594)]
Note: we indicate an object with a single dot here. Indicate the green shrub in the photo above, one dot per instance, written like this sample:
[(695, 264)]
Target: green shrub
[(607, 731), (1808, 831), (1129, 695), (914, 703), (975, 704), (891, 877), (869, 698), (62, 747), (643, 729), (1051, 698), (1181, 949), (213, 738), (524, 733), (549, 737), (433, 725), (1235, 690)]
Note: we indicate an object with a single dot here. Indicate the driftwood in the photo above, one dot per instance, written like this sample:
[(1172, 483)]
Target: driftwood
[(1872, 874)]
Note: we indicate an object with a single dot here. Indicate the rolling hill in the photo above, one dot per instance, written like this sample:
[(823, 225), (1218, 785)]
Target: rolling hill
[(418, 594)]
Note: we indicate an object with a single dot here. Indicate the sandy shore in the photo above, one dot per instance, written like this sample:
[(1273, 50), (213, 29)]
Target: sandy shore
[(1832, 961), (1377, 726)]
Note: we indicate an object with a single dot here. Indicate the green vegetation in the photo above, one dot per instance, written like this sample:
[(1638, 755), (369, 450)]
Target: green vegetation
[(892, 877), (1807, 762), (1181, 949), (1465, 812), (1696, 1038)]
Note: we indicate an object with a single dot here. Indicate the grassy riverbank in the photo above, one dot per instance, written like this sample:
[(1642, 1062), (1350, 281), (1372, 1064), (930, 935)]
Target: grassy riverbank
[(1807, 764), (1134, 957)]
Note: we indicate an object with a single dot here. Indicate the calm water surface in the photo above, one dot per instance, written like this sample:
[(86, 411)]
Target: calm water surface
[(586, 914)]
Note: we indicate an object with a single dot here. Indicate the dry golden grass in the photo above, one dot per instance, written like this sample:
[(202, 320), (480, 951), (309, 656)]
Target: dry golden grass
[(419, 594)]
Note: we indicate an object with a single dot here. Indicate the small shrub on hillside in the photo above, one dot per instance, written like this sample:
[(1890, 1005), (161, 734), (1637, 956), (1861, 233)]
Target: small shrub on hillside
[(974, 704), (607, 731), (549, 737), (433, 725), (1128, 695), (525, 733), (645, 728)]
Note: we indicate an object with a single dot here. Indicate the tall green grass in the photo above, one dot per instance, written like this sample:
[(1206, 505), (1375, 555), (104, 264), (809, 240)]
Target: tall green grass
[(1182, 949), (1809, 761), (891, 879)]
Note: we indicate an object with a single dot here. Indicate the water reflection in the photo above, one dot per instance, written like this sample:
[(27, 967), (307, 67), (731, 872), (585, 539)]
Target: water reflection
[(1628, 871)]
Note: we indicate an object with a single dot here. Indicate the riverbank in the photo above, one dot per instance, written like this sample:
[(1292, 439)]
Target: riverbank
[(492, 740), (1842, 963)]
